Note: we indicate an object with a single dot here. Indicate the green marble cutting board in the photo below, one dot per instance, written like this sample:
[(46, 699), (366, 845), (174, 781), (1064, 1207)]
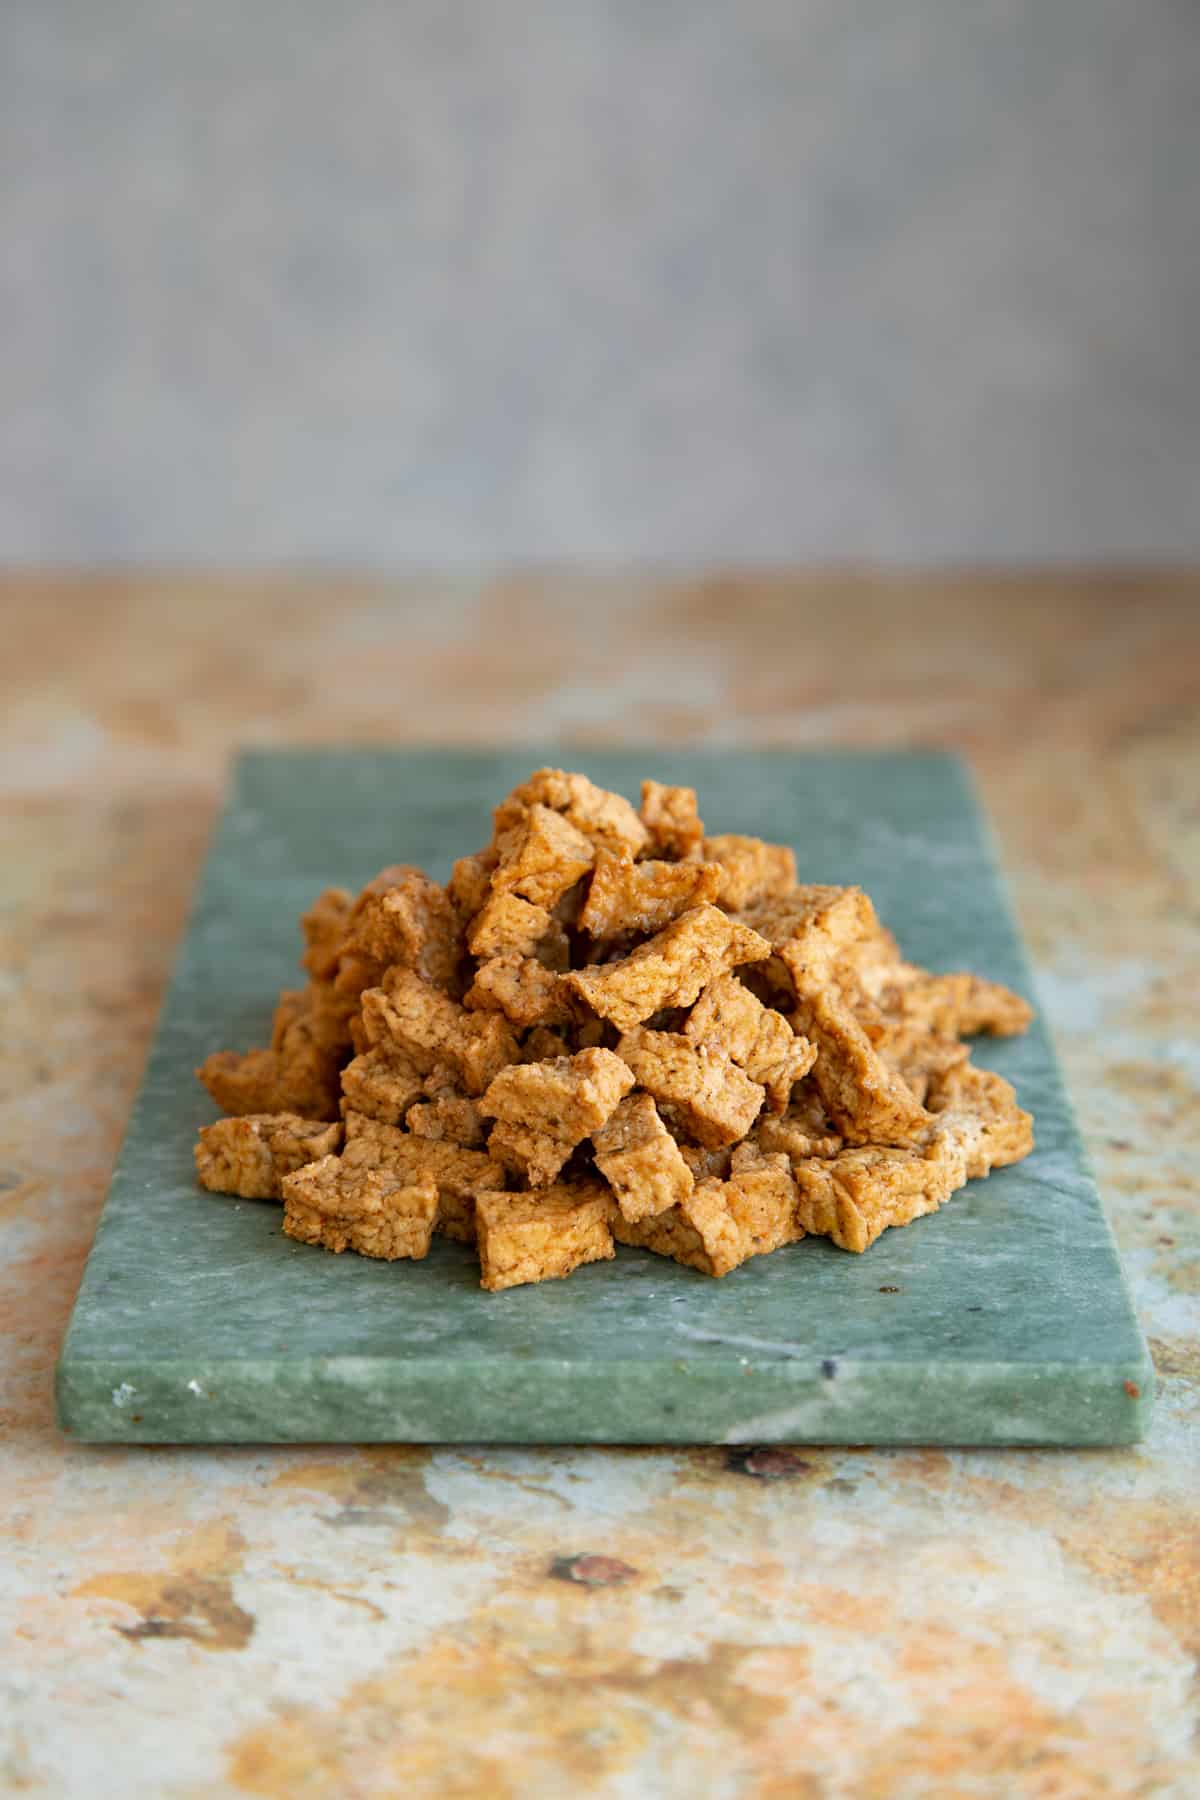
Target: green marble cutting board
[(1002, 1319)]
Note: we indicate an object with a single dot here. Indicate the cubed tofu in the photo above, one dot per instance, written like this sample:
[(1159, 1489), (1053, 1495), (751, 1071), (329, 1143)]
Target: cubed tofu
[(627, 898), (371, 1211), (459, 1174), (714, 1100), (544, 1109), (670, 969), (669, 814), (754, 869), (640, 1159), (544, 1235), (250, 1155)]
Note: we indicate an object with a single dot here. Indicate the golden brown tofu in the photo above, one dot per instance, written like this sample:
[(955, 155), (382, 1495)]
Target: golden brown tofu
[(627, 898), (324, 927), (370, 1211), (640, 1159), (523, 989), (541, 855), (409, 1015), (761, 1195), (714, 1100), (951, 1006), (669, 814), (700, 1232), (979, 1109), (602, 816), (451, 1118), (759, 1039), (856, 1195), (414, 923), (754, 870), (542, 1236), (506, 925), (459, 1174), (250, 1155), (868, 1102), (544, 1109), (470, 881), (265, 1081), (382, 1082), (803, 1130), (669, 970)]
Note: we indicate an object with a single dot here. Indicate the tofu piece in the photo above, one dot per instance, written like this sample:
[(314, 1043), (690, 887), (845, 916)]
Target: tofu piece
[(414, 923), (390, 876), (310, 1040), (979, 1109), (868, 1102), (470, 881), (592, 1034), (408, 1014), (250, 1155), (831, 930), (554, 950), (670, 969), (540, 856), (816, 923), (544, 1109), (761, 1195), (311, 1022), (855, 1196), (627, 897), (372, 1211), (542, 1236), (357, 967), (291, 1008), (442, 1083), (520, 987), (602, 816), (506, 925), (700, 1232), (918, 1057), (459, 1174), (640, 1159), (705, 1163), (383, 1083), (723, 1223), (327, 1018), (728, 1016), (356, 972), (802, 1131), (754, 869), (299, 1077), (759, 1039), (870, 963), (324, 926), (714, 1100), (452, 1118), (669, 814), (544, 1045), (952, 1006)]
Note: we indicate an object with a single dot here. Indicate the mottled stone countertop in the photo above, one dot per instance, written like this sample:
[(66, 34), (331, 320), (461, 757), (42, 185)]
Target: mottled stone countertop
[(402, 1620)]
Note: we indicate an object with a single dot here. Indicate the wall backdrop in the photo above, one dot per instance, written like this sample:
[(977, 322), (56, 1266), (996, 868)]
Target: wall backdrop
[(464, 282)]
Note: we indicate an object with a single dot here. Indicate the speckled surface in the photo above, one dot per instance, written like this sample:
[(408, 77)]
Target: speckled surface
[(1003, 1319), (312, 1621)]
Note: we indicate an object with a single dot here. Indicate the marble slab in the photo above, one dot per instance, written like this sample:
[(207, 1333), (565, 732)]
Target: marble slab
[(1002, 1319)]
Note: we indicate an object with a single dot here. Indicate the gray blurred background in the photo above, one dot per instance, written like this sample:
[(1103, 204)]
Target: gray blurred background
[(456, 282)]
